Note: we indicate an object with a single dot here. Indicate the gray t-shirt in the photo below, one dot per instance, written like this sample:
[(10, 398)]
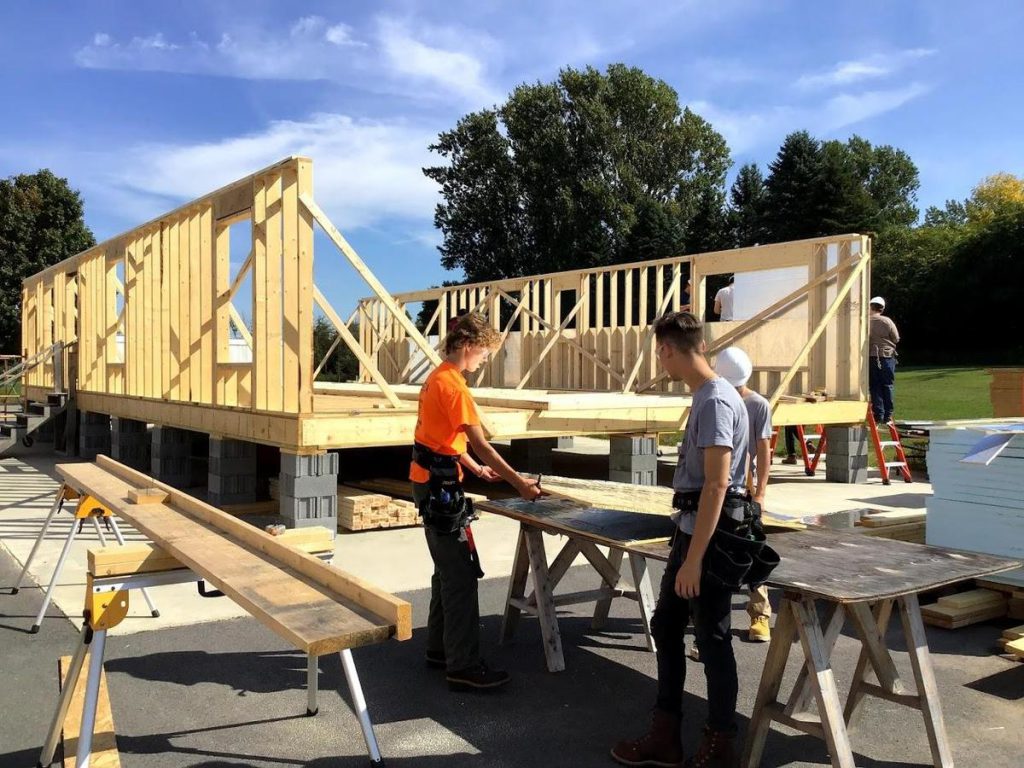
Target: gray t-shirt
[(717, 418), (759, 416)]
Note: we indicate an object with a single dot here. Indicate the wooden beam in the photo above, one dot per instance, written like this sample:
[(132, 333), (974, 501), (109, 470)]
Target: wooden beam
[(822, 324), (371, 279), (240, 277), (392, 609), (642, 351), (357, 350)]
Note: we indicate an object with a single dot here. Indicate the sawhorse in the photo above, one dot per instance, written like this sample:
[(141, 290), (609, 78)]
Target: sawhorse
[(531, 557), (106, 605), (87, 509)]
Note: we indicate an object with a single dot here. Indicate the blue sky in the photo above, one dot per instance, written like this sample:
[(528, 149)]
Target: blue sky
[(142, 105)]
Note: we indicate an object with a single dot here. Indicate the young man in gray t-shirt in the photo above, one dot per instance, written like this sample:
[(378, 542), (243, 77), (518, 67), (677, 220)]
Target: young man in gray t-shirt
[(711, 470)]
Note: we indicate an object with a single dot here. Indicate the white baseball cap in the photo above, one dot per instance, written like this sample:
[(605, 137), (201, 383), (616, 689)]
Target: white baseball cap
[(733, 365), (879, 301)]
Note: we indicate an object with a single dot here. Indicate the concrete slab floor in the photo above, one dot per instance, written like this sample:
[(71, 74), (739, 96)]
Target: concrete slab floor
[(231, 694)]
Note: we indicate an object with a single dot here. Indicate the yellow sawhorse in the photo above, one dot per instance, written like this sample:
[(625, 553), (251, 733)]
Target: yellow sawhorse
[(88, 508), (83, 711)]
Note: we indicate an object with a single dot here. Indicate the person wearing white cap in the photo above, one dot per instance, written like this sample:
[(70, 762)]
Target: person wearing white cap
[(882, 340), (733, 365)]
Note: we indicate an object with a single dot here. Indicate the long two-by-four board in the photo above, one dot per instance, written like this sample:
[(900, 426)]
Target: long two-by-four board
[(318, 608)]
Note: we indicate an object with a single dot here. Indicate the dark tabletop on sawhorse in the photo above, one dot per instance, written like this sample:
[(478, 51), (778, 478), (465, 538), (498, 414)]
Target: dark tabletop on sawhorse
[(858, 578)]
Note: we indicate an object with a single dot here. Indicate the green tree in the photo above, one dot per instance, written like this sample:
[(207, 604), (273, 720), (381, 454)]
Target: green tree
[(747, 202), (342, 364), (41, 223), (827, 188), (562, 173)]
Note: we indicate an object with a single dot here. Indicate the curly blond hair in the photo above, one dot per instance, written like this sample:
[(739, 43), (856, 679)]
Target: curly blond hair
[(471, 329)]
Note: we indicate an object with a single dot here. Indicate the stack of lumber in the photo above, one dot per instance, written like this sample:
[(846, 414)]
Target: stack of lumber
[(976, 507), (960, 610), (1007, 391), (361, 510), (1011, 588), (902, 526), (1012, 641)]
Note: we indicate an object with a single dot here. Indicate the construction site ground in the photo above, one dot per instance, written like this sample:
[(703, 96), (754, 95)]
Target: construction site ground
[(205, 685)]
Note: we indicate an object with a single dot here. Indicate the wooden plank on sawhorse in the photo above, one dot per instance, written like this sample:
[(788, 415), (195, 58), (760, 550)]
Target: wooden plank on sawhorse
[(104, 742)]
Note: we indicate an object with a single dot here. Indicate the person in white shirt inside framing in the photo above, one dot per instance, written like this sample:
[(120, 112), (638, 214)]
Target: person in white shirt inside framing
[(724, 301)]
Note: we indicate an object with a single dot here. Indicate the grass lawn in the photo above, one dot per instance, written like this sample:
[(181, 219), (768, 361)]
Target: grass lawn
[(939, 394)]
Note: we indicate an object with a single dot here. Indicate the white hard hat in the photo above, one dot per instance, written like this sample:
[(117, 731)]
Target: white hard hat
[(733, 365), (879, 301)]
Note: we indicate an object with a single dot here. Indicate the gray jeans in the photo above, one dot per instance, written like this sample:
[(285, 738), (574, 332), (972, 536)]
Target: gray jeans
[(453, 624)]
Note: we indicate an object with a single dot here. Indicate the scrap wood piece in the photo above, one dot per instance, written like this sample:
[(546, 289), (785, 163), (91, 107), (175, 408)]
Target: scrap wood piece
[(1016, 647), (973, 598), (104, 740), (881, 519), (971, 609), (147, 496), (318, 608)]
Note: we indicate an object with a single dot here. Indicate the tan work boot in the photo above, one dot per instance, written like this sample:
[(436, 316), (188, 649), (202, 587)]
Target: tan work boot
[(717, 750), (790, 459), (661, 747), (760, 630)]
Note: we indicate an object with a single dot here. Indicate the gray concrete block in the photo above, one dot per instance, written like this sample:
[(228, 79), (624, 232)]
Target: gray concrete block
[(565, 442), (167, 436), (119, 425), (305, 466), (634, 445), (218, 466), (640, 477), (245, 484), (626, 463), (846, 469), (847, 441), (324, 485), (311, 507), (223, 499), (224, 448), (532, 455)]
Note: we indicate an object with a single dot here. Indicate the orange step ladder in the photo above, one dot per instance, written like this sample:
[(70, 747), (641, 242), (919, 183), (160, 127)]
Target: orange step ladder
[(899, 462), (810, 457)]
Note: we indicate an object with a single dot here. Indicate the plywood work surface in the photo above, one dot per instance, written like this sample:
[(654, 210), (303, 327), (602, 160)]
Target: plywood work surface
[(310, 615), (849, 567)]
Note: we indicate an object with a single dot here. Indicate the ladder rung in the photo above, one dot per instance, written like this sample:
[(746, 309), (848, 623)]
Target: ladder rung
[(887, 443), (808, 438), (895, 463)]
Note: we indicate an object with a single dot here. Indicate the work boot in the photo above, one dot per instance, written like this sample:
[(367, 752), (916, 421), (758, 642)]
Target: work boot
[(760, 630), (791, 459), (436, 660), (661, 747), (479, 677), (717, 750)]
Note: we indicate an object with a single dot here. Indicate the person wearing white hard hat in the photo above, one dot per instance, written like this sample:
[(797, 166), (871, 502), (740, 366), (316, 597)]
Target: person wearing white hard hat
[(733, 365), (882, 340)]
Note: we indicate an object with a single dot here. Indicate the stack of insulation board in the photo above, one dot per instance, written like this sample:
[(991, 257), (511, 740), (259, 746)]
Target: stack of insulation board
[(966, 608), (977, 507)]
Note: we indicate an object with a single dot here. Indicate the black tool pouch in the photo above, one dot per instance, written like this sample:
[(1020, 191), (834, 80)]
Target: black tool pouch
[(738, 556), (446, 509)]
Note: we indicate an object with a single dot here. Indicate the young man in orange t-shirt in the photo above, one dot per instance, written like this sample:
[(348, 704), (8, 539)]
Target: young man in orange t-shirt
[(447, 426)]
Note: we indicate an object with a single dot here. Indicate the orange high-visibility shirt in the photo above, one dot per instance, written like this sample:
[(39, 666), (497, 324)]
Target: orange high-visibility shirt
[(446, 409)]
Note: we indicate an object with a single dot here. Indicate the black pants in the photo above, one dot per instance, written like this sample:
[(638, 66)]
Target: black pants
[(453, 624), (792, 438), (712, 621)]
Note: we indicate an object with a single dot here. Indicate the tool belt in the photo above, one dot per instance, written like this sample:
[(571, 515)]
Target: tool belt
[(737, 557), (446, 509)]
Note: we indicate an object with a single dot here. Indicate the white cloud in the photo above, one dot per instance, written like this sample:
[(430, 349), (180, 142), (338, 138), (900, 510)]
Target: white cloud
[(875, 66), (458, 72), (365, 171), (747, 130), (341, 34)]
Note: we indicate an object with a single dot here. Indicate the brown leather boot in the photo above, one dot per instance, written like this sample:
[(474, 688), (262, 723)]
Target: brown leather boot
[(717, 750), (661, 747)]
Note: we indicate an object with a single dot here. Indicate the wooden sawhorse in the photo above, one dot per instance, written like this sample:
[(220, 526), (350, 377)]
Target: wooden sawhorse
[(862, 579), (531, 557)]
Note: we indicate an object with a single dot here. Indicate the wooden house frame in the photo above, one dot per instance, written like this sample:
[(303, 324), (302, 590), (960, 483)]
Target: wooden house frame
[(164, 293)]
